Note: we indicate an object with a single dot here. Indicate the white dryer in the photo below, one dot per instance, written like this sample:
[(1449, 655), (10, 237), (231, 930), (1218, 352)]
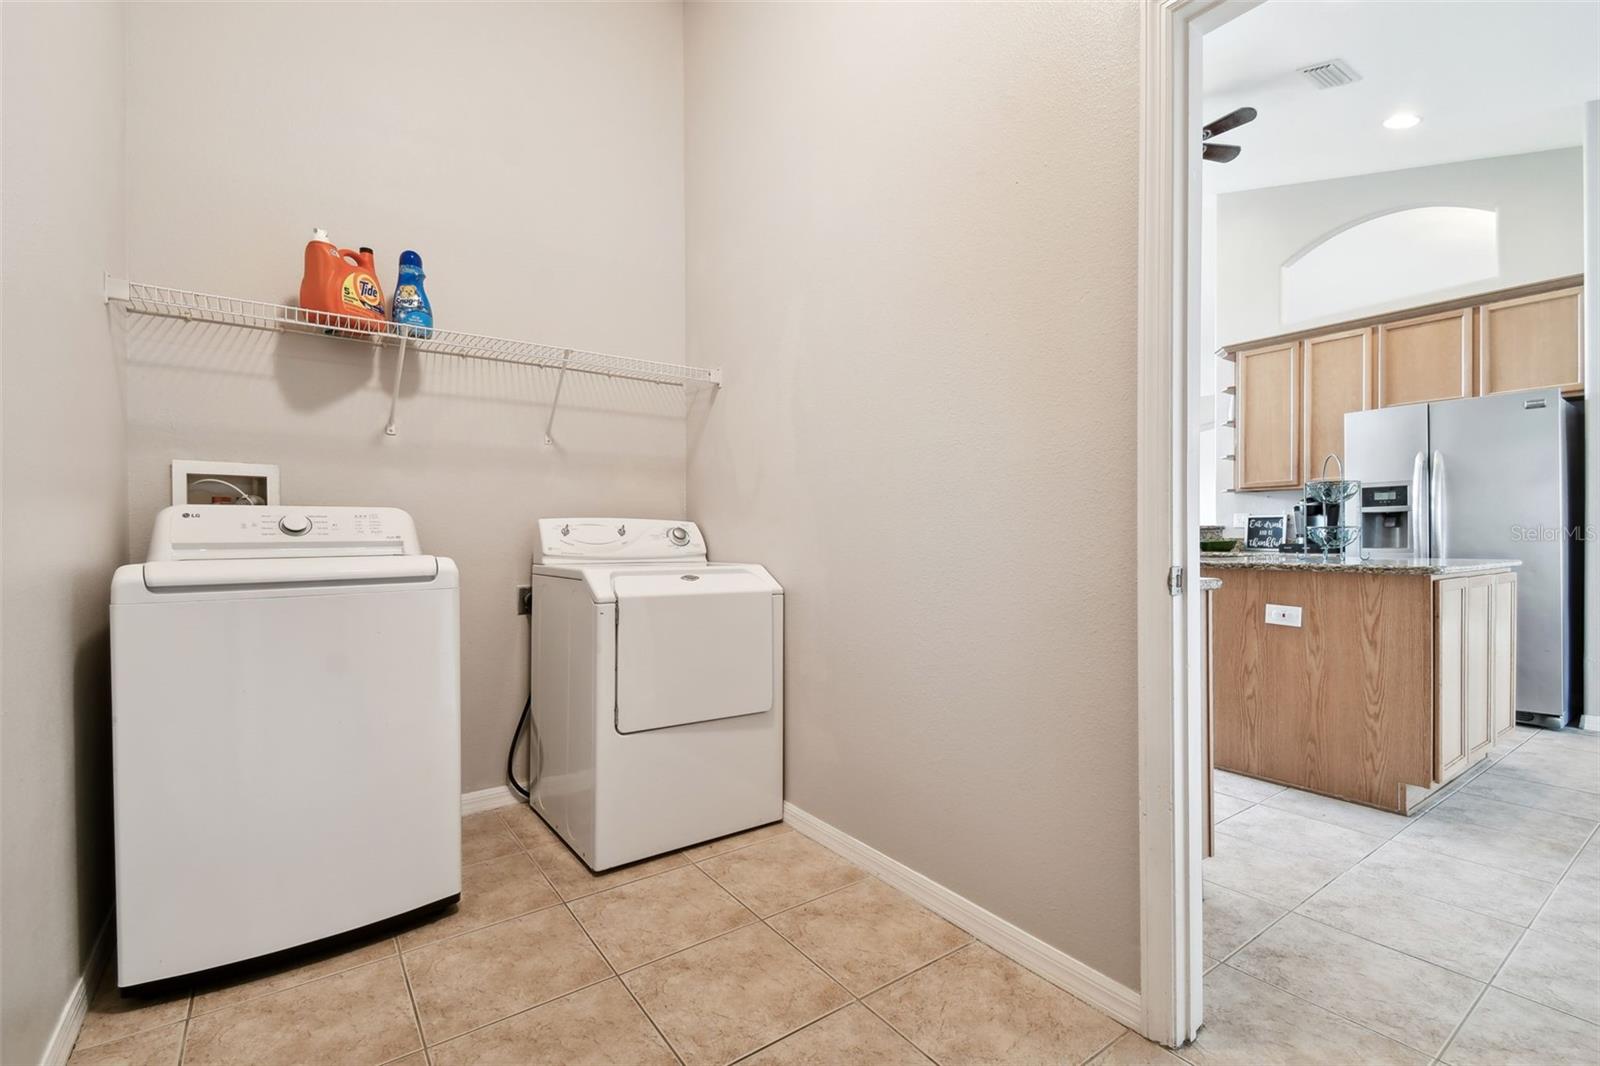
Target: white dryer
[(286, 733), (657, 689)]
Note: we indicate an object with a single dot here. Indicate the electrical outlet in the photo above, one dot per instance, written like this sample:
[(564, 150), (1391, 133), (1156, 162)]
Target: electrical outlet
[(524, 599), (1279, 615), (1240, 519)]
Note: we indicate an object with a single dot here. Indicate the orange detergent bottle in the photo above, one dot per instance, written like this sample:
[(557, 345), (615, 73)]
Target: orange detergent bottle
[(342, 283)]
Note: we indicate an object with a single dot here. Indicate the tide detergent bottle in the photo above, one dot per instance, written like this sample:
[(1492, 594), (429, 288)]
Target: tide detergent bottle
[(341, 283)]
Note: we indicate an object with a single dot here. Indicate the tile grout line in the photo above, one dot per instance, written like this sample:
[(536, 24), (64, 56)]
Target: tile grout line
[(1501, 870), (617, 974), (825, 895), (1295, 911), (815, 1021), (442, 940), (411, 994), (1321, 1006), (514, 1014), (1523, 929), (1531, 806), (878, 987), (1464, 814), (903, 1036), (1454, 1033), (183, 1043), (1089, 1059), (1398, 951), (1226, 961), (647, 1017), (1431, 1056)]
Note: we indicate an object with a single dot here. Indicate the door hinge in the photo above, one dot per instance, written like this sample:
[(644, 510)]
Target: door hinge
[(1175, 581)]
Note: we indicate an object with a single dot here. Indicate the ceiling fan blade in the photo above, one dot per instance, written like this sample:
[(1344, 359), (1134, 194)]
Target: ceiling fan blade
[(1219, 153), (1232, 120)]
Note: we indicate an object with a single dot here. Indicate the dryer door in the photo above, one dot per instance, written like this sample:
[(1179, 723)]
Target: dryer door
[(692, 648)]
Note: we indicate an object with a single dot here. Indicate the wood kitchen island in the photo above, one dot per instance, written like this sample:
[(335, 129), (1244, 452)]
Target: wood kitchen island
[(1401, 673)]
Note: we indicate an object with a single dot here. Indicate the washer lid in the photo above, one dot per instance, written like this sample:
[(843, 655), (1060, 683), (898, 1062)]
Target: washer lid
[(692, 647)]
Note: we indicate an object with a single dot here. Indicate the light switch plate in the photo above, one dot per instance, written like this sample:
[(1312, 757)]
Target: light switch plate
[(1279, 615)]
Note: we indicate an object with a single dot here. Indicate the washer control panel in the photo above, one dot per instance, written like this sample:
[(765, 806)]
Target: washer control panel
[(619, 539), (222, 531)]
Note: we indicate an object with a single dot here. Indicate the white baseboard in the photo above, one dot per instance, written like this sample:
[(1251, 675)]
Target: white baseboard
[(73, 1011), (487, 799), (1589, 723), (1053, 964)]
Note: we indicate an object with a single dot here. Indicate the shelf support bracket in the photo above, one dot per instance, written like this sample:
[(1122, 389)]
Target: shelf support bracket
[(399, 372), (549, 423)]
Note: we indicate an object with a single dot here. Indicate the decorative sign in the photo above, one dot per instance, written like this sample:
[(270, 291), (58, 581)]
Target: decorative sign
[(1265, 532)]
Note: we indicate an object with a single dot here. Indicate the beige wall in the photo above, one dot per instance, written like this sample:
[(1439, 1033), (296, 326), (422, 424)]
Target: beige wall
[(533, 154), (912, 249), (63, 526), (1538, 195)]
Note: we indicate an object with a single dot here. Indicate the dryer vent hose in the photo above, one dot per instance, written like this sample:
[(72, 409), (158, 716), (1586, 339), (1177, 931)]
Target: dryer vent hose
[(511, 755)]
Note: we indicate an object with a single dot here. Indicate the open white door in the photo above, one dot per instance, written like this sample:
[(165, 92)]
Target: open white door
[(1170, 619)]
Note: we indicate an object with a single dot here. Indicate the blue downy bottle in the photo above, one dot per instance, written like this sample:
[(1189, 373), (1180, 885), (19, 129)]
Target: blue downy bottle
[(411, 307)]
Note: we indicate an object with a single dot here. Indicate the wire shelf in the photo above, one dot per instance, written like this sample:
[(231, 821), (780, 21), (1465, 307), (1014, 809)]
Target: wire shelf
[(145, 299)]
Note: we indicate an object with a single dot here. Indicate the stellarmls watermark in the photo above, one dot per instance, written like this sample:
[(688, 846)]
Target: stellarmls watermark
[(1545, 534)]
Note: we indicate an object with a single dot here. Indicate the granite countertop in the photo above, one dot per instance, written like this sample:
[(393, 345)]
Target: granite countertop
[(1283, 561), (1210, 584)]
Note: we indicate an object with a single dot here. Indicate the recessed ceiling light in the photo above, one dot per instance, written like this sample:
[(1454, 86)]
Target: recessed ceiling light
[(1401, 120)]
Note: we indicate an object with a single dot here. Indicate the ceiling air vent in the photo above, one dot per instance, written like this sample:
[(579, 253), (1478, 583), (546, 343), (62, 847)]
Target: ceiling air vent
[(1331, 74)]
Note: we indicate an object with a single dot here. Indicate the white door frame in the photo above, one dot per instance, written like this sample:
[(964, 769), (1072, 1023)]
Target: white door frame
[(1169, 626)]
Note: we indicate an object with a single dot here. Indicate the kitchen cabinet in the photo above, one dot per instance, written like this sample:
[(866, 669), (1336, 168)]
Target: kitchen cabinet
[(1531, 342), (1426, 358), (1503, 686), (1400, 676), (1293, 391), (1474, 676), (1337, 368), (1268, 446)]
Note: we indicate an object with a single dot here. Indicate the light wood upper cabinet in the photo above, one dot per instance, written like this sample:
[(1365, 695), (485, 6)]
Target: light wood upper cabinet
[(1294, 391), (1426, 358), (1532, 342), (1268, 444), (1338, 379)]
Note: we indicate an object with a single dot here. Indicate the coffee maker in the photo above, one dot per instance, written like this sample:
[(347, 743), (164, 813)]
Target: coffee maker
[(1302, 516)]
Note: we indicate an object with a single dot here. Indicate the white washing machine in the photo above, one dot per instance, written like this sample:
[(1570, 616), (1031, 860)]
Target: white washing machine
[(286, 733), (657, 688)]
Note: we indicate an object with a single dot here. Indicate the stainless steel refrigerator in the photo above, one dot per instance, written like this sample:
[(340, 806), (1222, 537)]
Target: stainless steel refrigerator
[(1492, 477)]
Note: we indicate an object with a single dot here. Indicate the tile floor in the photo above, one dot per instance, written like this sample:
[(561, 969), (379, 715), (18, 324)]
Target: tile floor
[(764, 948), (1468, 934)]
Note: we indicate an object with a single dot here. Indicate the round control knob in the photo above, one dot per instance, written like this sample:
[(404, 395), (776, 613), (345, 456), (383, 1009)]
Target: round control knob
[(678, 535), (295, 525)]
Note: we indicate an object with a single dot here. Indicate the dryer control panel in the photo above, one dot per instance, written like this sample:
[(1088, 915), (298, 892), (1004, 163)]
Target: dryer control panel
[(630, 540), (222, 531)]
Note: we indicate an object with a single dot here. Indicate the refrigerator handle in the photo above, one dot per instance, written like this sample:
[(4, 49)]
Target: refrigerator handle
[(1437, 502), (1420, 511)]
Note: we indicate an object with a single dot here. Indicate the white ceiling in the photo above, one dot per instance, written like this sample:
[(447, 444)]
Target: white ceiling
[(1487, 78)]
